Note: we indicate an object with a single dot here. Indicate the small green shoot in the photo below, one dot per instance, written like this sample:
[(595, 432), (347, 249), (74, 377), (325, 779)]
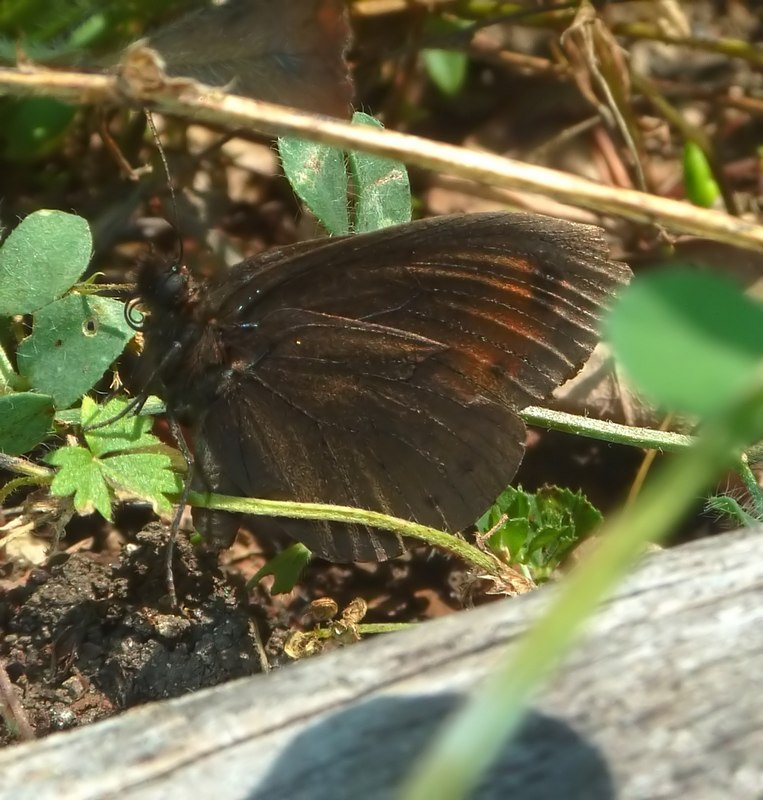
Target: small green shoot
[(286, 568), (447, 69), (699, 182), (536, 532)]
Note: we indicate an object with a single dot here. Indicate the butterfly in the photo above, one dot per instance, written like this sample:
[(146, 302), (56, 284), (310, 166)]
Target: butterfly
[(384, 370), (289, 52)]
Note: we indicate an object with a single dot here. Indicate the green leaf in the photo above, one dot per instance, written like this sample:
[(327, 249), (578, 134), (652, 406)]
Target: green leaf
[(34, 126), (74, 341), (539, 530), (125, 459), (688, 340), (145, 475), (41, 260), (318, 175), (447, 69), (382, 189), (287, 568), (699, 182), (80, 474), (130, 432), (26, 419)]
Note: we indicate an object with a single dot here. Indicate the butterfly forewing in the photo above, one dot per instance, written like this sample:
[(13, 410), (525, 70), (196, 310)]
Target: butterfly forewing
[(385, 370), (283, 51)]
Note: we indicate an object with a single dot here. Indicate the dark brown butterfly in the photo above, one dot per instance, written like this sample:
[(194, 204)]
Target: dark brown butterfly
[(383, 371), (282, 51)]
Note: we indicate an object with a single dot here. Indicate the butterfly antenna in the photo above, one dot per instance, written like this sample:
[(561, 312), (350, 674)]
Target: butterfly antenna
[(170, 184)]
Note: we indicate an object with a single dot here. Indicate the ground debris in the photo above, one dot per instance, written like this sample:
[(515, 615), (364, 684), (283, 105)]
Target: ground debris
[(83, 639)]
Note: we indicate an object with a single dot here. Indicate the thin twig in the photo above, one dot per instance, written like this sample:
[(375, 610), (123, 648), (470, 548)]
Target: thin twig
[(187, 99), (734, 48), (13, 711)]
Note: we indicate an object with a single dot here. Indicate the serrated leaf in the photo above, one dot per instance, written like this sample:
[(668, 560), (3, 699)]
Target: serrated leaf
[(145, 475), (131, 432), (80, 474), (382, 189), (26, 419), (125, 459), (540, 529), (73, 342), (688, 340), (576, 506), (286, 568), (41, 260), (564, 518), (318, 175)]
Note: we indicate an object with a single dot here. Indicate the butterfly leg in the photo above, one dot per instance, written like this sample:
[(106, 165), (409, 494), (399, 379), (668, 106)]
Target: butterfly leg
[(219, 528), (177, 434)]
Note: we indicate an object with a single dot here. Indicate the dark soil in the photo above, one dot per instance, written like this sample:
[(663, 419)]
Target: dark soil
[(91, 632), (83, 639)]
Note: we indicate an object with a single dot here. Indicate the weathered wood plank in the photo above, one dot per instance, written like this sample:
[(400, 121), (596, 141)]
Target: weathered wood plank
[(663, 700)]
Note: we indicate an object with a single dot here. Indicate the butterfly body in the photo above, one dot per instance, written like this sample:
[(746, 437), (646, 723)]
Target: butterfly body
[(384, 370)]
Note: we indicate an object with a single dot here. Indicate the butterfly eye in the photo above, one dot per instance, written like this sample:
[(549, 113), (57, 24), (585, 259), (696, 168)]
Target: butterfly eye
[(170, 289), (162, 287)]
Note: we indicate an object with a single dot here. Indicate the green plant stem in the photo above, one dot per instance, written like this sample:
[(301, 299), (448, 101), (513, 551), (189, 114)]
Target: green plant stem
[(751, 484), (21, 466), (473, 739), (606, 431), (367, 628), (9, 379), (384, 627), (152, 407), (637, 437), (322, 511), (17, 483)]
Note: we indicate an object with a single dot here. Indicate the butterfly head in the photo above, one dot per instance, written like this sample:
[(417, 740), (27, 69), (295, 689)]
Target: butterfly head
[(160, 287)]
